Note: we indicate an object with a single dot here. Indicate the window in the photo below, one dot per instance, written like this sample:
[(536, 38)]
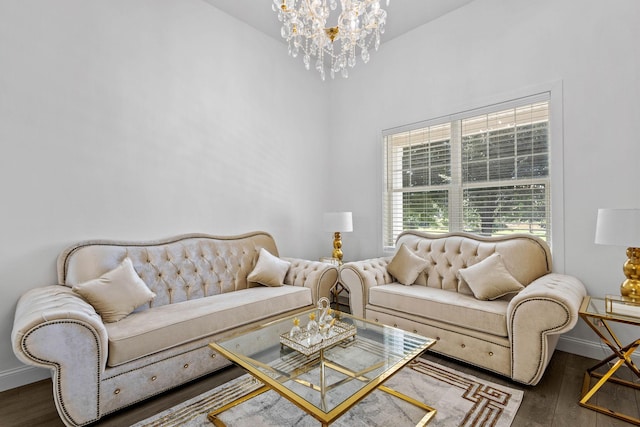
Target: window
[(484, 171)]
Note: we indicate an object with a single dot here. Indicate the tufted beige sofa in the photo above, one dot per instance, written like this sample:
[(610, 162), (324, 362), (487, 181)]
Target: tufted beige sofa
[(202, 294), (514, 335)]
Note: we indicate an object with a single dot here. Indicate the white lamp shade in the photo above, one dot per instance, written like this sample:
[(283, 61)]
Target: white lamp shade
[(337, 221), (618, 227)]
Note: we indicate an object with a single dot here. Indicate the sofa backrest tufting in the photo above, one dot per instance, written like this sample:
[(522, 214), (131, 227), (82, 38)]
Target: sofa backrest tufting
[(526, 257), (177, 269)]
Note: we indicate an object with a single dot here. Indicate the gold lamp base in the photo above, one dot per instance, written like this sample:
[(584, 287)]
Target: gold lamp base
[(337, 249), (630, 288)]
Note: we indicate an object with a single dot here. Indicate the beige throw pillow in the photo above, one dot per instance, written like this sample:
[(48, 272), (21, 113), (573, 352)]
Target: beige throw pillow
[(489, 279), (116, 293), (269, 270), (406, 266)]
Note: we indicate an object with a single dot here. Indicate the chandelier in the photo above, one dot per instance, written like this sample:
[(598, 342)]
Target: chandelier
[(305, 27)]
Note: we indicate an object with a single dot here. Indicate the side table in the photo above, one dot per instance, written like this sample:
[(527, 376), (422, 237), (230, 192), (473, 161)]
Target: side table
[(593, 312), (340, 298), (339, 293)]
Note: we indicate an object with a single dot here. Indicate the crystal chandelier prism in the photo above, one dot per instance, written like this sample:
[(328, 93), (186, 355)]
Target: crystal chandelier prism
[(312, 30)]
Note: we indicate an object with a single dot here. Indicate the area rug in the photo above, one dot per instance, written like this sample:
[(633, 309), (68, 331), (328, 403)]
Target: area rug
[(460, 399)]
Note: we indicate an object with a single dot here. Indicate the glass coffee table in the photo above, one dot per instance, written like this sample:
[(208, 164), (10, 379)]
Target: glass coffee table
[(327, 377)]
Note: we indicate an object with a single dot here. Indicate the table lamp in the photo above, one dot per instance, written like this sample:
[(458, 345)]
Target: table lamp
[(621, 227), (337, 222)]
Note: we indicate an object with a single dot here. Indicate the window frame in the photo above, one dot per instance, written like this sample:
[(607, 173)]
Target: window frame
[(551, 93)]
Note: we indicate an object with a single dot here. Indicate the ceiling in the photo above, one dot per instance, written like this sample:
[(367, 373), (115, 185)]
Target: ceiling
[(403, 15)]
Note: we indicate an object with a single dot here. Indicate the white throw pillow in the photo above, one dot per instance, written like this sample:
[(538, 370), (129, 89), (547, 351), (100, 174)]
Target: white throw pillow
[(116, 293), (406, 266), (489, 279), (269, 270)]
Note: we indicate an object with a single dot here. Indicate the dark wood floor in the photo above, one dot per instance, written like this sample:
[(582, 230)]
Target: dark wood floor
[(553, 402)]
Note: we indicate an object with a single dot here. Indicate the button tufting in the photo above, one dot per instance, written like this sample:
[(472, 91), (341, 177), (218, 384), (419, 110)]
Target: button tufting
[(116, 391), (153, 378), (186, 365), (462, 345), (491, 353)]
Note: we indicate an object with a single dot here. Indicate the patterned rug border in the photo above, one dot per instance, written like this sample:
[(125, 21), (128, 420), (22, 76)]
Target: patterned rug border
[(491, 404)]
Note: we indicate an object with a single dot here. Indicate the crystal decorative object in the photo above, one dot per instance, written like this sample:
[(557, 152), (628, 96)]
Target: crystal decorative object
[(309, 343), (312, 326), (295, 330), (324, 306), (307, 27)]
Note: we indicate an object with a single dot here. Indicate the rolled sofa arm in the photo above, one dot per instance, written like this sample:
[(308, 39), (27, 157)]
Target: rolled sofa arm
[(52, 326), (320, 277), (359, 276), (536, 317)]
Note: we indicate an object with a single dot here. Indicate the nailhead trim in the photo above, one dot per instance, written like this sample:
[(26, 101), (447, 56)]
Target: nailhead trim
[(58, 367)]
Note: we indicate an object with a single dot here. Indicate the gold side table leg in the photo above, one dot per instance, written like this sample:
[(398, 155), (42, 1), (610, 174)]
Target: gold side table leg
[(335, 292), (603, 380), (587, 393)]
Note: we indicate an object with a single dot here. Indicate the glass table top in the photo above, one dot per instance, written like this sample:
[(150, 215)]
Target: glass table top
[(611, 308), (327, 382)]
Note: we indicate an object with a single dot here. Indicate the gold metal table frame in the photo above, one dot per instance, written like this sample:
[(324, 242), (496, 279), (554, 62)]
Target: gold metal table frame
[(273, 378), (594, 313)]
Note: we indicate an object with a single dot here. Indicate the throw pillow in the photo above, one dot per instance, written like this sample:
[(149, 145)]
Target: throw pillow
[(463, 287), (489, 279), (116, 293), (406, 266), (269, 270)]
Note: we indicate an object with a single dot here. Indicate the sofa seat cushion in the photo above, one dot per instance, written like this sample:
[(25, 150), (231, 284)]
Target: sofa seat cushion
[(156, 329), (443, 305)]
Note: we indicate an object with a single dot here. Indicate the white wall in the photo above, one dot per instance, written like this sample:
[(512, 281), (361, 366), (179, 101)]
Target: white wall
[(143, 119), (494, 48)]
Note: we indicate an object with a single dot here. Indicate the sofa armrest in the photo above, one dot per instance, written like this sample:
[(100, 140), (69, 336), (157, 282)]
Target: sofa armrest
[(55, 328), (536, 317), (359, 276), (318, 276)]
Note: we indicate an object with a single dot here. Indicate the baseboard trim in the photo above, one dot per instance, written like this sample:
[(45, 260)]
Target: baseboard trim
[(23, 375), (593, 349)]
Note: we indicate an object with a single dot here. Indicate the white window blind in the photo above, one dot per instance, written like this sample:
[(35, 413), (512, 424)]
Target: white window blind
[(483, 171)]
